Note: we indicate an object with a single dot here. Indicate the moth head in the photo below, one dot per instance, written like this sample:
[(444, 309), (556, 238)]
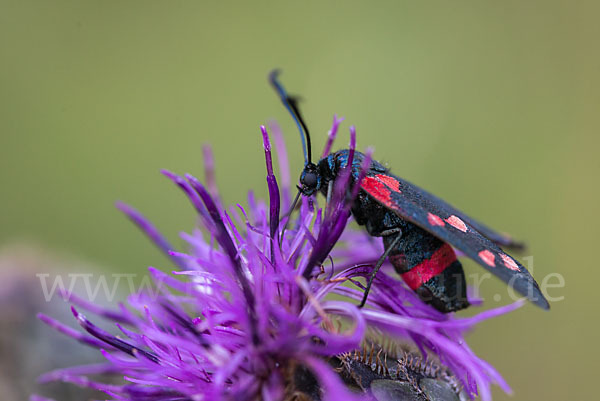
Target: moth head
[(310, 179)]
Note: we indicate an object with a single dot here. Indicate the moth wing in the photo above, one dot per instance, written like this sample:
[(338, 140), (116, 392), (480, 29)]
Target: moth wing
[(440, 219)]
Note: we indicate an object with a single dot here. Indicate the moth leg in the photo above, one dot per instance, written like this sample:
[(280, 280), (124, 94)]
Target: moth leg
[(329, 191), (382, 259), (391, 231)]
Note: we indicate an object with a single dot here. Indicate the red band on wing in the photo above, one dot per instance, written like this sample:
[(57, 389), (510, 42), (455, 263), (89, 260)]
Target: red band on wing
[(429, 268), (435, 220), (389, 181), (457, 223), (509, 262), (377, 189), (488, 257)]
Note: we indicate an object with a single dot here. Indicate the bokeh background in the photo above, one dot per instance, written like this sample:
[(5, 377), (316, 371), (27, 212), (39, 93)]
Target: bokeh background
[(493, 105)]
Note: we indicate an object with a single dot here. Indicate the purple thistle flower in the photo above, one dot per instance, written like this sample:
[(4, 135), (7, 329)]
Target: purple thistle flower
[(247, 311)]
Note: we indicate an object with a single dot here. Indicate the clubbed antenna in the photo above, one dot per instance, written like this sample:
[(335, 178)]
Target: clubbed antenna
[(291, 104)]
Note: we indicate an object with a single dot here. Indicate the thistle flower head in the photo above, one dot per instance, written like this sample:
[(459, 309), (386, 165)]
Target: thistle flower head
[(247, 315)]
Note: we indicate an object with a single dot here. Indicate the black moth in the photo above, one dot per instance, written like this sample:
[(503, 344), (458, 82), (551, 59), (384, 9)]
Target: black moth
[(419, 230)]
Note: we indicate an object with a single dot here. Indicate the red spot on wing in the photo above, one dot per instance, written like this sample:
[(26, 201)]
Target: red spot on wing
[(377, 189), (457, 223), (389, 181), (488, 258), (435, 220), (509, 262), (429, 268)]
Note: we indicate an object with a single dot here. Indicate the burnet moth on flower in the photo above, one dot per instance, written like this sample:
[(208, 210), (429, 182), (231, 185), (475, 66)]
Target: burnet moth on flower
[(419, 230)]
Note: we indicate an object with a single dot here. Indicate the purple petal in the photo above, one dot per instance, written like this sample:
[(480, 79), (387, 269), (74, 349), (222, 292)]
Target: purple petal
[(109, 338), (150, 230), (331, 135), (71, 332), (274, 200), (191, 194)]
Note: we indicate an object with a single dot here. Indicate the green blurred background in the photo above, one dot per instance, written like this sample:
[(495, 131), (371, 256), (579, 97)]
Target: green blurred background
[(493, 105)]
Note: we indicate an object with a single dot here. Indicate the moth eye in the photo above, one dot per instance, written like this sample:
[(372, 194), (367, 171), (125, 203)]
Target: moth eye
[(309, 180)]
